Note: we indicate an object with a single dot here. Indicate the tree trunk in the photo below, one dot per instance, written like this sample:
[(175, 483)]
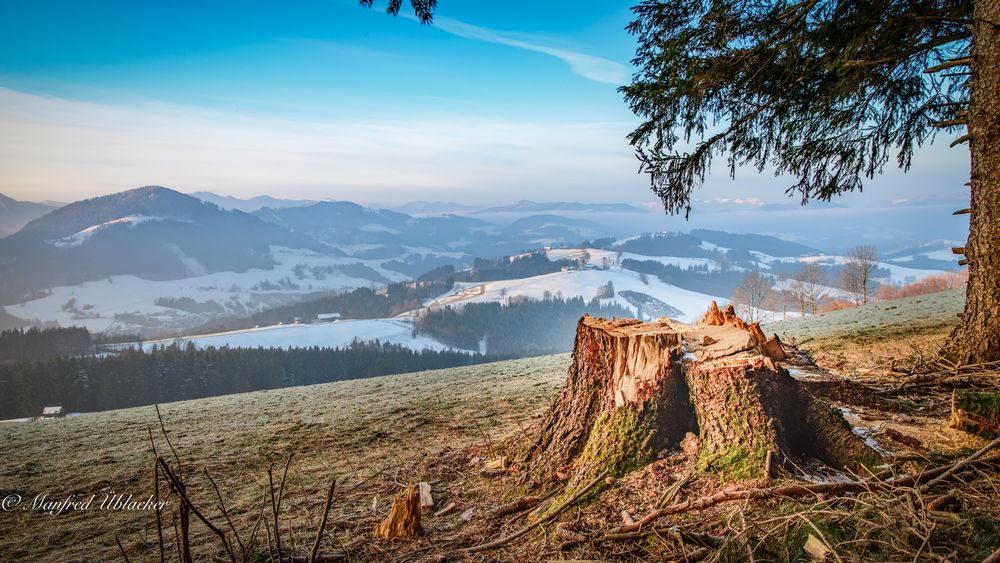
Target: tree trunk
[(977, 337), (634, 389)]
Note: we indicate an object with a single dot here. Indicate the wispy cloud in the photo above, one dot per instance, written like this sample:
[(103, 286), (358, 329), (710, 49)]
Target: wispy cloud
[(54, 148), (594, 68)]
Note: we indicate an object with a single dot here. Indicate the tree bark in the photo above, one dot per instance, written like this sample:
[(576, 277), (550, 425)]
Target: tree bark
[(977, 337), (624, 399), (634, 389)]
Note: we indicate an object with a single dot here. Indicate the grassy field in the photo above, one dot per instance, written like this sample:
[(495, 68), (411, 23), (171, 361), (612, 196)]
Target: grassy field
[(924, 313), (877, 337), (332, 429)]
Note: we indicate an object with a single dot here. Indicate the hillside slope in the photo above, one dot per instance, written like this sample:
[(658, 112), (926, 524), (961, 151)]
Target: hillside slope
[(875, 319), (330, 429), (393, 429), (15, 214)]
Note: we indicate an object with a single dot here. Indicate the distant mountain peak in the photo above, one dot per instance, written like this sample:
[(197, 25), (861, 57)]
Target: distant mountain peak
[(249, 205), (16, 214), (526, 205), (152, 201)]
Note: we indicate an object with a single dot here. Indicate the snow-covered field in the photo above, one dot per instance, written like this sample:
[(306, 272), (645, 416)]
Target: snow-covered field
[(132, 304), (128, 303), (580, 283), (323, 335), (79, 238)]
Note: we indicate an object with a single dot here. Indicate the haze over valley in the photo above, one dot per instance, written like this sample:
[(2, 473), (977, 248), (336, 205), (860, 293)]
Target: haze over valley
[(162, 264)]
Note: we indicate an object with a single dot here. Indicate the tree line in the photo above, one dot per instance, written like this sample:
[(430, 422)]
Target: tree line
[(360, 303), (44, 343), (814, 288), (135, 377), (525, 265), (519, 326)]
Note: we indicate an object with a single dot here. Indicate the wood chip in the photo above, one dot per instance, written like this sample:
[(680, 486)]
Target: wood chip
[(496, 463), (403, 520), (816, 549), (426, 499)]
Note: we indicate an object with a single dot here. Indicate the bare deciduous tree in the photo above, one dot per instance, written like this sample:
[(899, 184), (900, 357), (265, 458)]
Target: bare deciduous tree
[(753, 293), (785, 291), (856, 276), (813, 289)]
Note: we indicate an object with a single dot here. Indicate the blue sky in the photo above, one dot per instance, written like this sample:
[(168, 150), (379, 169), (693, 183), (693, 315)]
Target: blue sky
[(495, 102)]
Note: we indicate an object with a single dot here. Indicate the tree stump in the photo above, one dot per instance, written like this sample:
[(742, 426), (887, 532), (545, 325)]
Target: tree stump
[(403, 520), (636, 388), (624, 399)]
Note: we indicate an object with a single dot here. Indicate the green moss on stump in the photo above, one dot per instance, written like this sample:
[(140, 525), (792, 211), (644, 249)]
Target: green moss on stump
[(735, 463), (620, 442)]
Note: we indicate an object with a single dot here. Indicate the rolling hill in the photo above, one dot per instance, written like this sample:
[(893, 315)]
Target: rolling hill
[(151, 233), (15, 214)]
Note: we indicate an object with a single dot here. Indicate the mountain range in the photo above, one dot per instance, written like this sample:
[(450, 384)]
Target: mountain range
[(157, 260), (156, 233), (15, 214), (150, 232)]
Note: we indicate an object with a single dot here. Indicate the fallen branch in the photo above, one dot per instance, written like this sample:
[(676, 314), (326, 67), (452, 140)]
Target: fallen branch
[(551, 515), (993, 558), (798, 490), (961, 465), (178, 487), (687, 536)]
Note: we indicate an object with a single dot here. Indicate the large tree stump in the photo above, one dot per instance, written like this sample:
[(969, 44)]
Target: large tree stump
[(636, 388)]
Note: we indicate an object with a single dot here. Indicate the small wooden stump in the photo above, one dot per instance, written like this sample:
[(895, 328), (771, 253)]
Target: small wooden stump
[(976, 412), (403, 520)]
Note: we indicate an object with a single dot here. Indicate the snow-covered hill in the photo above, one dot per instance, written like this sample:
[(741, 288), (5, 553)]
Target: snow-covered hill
[(128, 303), (323, 335), (585, 284)]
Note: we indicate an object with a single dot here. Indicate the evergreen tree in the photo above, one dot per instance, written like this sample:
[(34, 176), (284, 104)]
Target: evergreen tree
[(829, 92)]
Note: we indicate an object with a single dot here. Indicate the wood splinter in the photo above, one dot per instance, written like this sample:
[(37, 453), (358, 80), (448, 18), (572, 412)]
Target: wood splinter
[(403, 520)]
